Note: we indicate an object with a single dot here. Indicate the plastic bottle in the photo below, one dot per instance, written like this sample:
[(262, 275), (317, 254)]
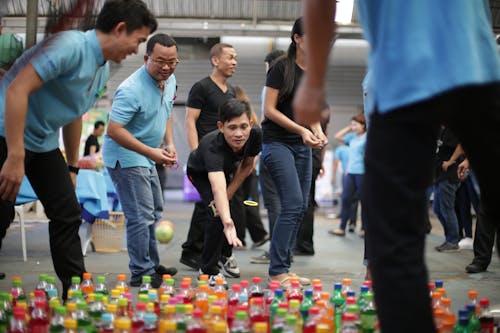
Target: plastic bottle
[(215, 316), (184, 293), (338, 302), (474, 325), (150, 325), (368, 314), (180, 318), (245, 287), (138, 318), (101, 286), (291, 324), (17, 291), (70, 309), (361, 297), (201, 298), (107, 325), (240, 323), (145, 285), (307, 303), (278, 323), (220, 327), (255, 289), (87, 284), (167, 287), (42, 283), (220, 291), (39, 322), (352, 307), (316, 292), (294, 292), (4, 317), (260, 327), (57, 321), (232, 302), (346, 286), (51, 285), (121, 281), (166, 326), (83, 321), (18, 323), (256, 311), (196, 324), (485, 317), (75, 285), (122, 325), (313, 319), (463, 322), (278, 298), (438, 284), (70, 325), (349, 323), (294, 310)]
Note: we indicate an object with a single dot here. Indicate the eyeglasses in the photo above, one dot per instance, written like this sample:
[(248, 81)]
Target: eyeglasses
[(162, 63)]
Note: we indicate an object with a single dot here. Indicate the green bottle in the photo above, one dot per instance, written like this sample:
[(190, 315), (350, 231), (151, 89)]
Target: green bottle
[(368, 314), (307, 302), (273, 307), (338, 302), (474, 324), (57, 322), (463, 322), (83, 321)]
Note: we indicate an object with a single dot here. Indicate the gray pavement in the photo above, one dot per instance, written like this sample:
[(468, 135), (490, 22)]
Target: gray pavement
[(335, 257)]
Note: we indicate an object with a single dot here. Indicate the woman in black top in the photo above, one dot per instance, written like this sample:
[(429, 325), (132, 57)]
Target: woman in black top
[(287, 154)]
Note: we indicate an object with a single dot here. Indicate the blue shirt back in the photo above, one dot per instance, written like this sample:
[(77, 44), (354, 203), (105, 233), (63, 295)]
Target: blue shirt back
[(72, 67), (421, 48), (144, 110), (342, 153)]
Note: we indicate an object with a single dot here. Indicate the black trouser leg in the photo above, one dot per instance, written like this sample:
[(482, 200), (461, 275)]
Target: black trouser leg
[(254, 222), (238, 213), (49, 177), (6, 207), (196, 234), (305, 235)]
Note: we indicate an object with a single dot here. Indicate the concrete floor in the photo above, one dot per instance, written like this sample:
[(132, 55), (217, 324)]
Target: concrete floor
[(335, 258)]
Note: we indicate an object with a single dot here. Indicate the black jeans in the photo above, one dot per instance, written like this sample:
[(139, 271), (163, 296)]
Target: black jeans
[(399, 159), (248, 217), (305, 241), (270, 196), (215, 244), (49, 177), (196, 234)]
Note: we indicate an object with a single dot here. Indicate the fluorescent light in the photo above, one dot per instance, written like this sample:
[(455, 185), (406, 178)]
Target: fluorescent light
[(344, 11)]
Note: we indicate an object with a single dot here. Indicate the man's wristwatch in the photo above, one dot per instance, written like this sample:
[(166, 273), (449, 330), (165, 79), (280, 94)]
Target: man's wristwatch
[(73, 169)]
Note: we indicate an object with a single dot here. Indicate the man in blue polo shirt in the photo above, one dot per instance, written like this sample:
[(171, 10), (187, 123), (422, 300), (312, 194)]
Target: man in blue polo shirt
[(49, 87), (139, 121), (431, 62)]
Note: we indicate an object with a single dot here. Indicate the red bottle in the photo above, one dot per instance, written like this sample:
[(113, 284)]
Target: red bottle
[(18, 322), (196, 323), (256, 311), (295, 292), (232, 303), (39, 322), (255, 289), (312, 321)]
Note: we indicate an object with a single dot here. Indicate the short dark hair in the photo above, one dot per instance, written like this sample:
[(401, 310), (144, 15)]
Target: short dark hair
[(134, 13), (217, 50), (234, 108), (162, 39), (271, 56), (98, 124)]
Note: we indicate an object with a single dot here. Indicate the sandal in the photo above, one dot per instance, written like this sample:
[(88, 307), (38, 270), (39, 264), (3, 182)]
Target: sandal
[(284, 283), (337, 232), (302, 280)]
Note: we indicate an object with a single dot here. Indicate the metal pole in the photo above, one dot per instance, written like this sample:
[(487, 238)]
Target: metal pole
[(254, 21), (31, 22)]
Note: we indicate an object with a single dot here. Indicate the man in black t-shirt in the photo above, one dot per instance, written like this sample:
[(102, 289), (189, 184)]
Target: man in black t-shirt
[(202, 107), (92, 144), (217, 168)]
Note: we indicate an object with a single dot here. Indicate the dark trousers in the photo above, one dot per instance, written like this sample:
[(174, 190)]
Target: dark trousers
[(352, 184), (248, 217), (305, 241), (196, 234), (270, 196), (394, 193), (215, 244), (49, 177), (465, 197)]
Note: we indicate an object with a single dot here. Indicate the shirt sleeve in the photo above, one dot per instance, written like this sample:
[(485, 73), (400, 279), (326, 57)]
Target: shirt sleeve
[(275, 76), (254, 143), (348, 138), (196, 98), (124, 107), (55, 57)]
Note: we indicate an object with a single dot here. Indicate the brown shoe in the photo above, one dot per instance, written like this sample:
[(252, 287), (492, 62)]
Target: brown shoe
[(337, 232)]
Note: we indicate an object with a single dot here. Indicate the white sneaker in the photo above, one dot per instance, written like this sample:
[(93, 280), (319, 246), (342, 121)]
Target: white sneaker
[(229, 267), (466, 243)]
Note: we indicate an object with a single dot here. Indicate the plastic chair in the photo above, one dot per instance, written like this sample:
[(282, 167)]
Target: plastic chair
[(20, 212)]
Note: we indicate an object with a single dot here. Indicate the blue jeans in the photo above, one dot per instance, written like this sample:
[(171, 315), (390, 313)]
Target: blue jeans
[(290, 166), (142, 201), (444, 207), (352, 183)]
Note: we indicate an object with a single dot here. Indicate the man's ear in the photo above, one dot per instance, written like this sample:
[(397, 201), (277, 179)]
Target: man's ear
[(220, 126), (120, 28)]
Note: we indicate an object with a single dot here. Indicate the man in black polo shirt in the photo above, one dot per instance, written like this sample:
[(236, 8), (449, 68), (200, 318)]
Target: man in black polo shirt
[(92, 144), (204, 100), (217, 168)]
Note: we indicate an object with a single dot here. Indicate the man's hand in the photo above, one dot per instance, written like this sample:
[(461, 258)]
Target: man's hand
[(161, 156), (446, 165), (308, 104), (11, 177), (230, 233), (463, 169)]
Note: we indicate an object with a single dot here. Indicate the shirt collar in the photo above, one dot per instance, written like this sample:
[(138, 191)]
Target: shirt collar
[(91, 36)]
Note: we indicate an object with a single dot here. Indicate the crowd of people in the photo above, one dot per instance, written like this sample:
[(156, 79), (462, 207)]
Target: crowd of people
[(447, 112)]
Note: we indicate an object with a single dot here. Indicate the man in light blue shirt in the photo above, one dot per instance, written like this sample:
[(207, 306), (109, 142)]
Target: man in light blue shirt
[(48, 88), (139, 121), (431, 62)]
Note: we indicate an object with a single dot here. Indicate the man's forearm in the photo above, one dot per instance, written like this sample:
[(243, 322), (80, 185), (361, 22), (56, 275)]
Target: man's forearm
[(71, 137), (15, 118), (242, 172)]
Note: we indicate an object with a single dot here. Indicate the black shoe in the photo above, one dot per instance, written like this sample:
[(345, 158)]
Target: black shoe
[(2, 275), (261, 242), (162, 270), (351, 228), (474, 268), (448, 247), (156, 281), (191, 261), (298, 252)]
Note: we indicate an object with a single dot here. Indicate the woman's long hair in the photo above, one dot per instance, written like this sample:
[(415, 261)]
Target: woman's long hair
[(289, 61)]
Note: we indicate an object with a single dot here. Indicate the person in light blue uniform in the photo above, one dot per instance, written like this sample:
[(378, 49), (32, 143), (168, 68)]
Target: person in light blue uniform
[(431, 62), (354, 136), (48, 88), (139, 121)]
